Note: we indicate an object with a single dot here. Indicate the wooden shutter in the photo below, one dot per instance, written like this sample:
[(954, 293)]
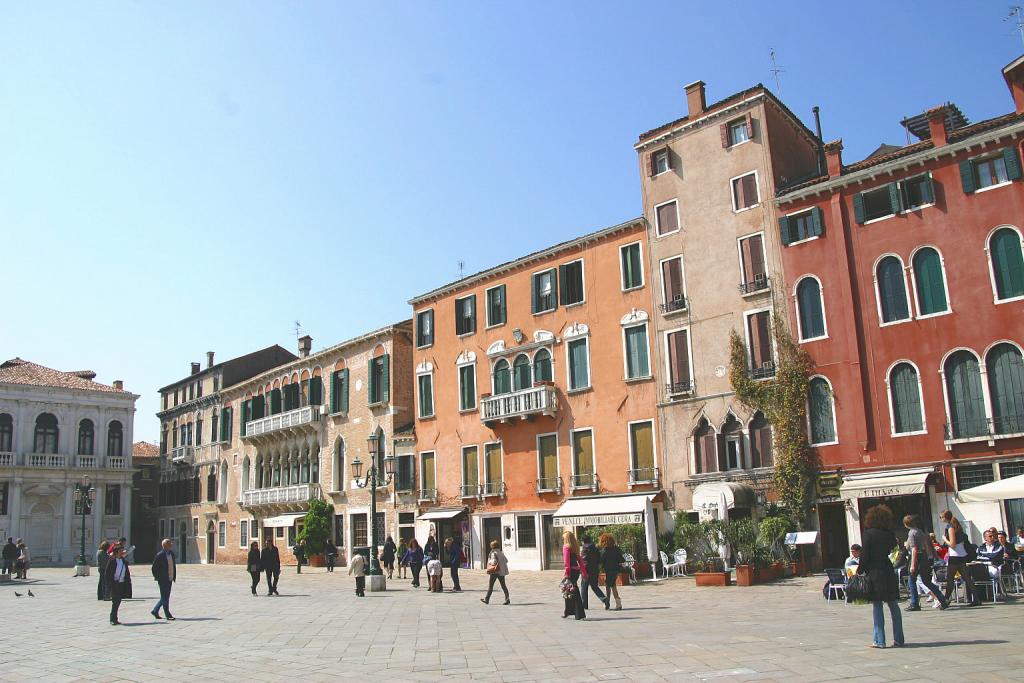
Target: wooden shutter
[(343, 389), (563, 294), (764, 446), (967, 176), (1012, 162), (858, 207), (385, 381), (679, 357), (760, 343), (708, 443), (895, 197), (750, 125), (651, 170), (316, 391), (784, 234), (721, 461), (472, 314), (724, 129), (817, 222), (334, 392), (534, 294), (928, 190), (753, 258), (371, 390), (755, 447), (672, 275)]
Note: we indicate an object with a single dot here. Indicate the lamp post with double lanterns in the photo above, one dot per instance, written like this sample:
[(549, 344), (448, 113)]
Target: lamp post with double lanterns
[(85, 496), (374, 478)]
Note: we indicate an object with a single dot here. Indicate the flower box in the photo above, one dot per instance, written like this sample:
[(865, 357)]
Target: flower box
[(712, 578), (747, 575)]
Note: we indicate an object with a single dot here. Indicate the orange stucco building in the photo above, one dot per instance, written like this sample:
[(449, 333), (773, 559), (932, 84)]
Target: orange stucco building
[(536, 400)]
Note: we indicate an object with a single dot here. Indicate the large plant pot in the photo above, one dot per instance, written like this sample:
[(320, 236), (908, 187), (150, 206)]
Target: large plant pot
[(316, 561), (746, 575), (712, 578), (799, 568), (643, 570)]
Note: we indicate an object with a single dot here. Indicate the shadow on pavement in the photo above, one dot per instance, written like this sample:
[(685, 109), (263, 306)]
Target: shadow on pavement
[(944, 643), (141, 623), (610, 618), (197, 619)]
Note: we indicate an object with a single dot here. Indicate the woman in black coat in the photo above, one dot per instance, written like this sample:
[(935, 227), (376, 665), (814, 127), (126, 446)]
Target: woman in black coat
[(878, 542), (253, 564), (387, 555), (431, 551)]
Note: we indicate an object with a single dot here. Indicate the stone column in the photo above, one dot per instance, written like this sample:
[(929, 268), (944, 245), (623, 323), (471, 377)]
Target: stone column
[(97, 515), (15, 511), (126, 513), (69, 519)]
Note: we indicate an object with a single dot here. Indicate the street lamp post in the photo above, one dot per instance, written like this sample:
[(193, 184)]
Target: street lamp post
[(85, 496), (374, 478)]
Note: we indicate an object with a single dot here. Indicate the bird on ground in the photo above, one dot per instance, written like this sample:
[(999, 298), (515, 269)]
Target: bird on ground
[(31, 594), (17, 594)]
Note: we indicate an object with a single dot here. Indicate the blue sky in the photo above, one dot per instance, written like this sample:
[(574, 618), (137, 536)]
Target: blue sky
[(183, 177)]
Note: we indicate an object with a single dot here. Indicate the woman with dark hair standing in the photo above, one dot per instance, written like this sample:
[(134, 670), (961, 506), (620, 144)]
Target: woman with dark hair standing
[(574, 568), (253, 564), (954, 538), (611, 562), (414, 558), (102, 557), (431, 551), (387, 555), (878, 542)]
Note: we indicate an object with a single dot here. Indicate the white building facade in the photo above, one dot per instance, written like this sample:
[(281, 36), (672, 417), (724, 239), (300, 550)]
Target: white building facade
[(55, 428)]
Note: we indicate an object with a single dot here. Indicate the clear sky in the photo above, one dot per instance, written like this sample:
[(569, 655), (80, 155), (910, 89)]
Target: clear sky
[(184, 177)]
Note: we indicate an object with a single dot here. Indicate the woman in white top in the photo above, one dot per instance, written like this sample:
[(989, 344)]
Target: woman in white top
[(956, 560), (497, 569), (24, 560)]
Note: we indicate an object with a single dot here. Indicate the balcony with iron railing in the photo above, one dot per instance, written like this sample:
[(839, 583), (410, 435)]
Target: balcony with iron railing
[(765, 371), (643, 476), (306, 416), (984, 429), (549, 485), (678, 303), (678, 389), (299, 493), (587, 481), (539, 400), (492, 489), (469, 491), (760, 283), (428, 495)]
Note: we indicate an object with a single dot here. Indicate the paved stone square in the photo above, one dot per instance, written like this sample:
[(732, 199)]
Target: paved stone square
[(318, 630)]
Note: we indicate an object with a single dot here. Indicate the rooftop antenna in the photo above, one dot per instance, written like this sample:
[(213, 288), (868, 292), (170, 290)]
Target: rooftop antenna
[(298, 329), (776, 70), (1016, 15), (462, 269)]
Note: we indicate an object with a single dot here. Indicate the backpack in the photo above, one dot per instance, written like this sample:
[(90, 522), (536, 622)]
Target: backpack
[(971, 550)]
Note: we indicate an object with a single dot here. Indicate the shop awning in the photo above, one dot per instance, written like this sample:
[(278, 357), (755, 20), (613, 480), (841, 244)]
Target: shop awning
[(283, 520), (996, 490), (602, 510), (881, 484), (442, 513), (711, 494)]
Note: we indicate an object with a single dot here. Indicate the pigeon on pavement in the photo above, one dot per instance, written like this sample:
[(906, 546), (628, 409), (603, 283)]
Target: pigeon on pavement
[(17, 593), (31, 594)]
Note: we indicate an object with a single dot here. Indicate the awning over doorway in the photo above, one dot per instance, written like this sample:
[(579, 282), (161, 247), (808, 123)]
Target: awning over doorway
[(442, 513), (602, 510), (905, 482), (711, 494), (996, 490), (283, 520)]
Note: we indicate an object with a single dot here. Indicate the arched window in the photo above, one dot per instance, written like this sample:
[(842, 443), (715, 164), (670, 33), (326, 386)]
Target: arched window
[(730, 446), (223, 497), (542, 366), (304, 476), (286, 470), (211, 485), (314, 465), (821, 412), (86, 438), (760, 441), (521, 372), (46, 434), (244, 481), (964, 394), (892, 290), (929, 282), (6, 433), (810, 311), (905, 399), (1004, 248), (275, 480), (174, 434), (339, 465), (259, 472), (502, 378), (115, 440), (704, 451), (295, 468), (1005, 371)]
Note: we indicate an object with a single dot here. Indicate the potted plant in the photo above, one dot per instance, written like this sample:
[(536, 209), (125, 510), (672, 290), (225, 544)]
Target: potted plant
[(741, 537), (708, 540), (316, 530)]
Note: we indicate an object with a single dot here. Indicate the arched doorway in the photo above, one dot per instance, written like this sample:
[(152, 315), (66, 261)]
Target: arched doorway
[(211, 538), (41, 530)]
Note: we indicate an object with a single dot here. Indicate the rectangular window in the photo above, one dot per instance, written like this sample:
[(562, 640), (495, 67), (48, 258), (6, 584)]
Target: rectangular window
[(579, 364), (426, 390), (752, 265), (112, 500), (678, 355), (359, 529), (493, 471), (744, 192), (526, 531), (988, 172), (878, 203), (738, 132), (547, 463), (470, 471), (666, 218), (428, 484), (467, 387), (379, 372), (969, 476), (673, 289), (632, 266), (279, 532), (570, 276), (404, 479), (583, 459), (222, 534), (637, 358), (762, 361), (1010, 469), (424, 328), (918, 191), (641, 451), (496, 306), (465, 315), (195, 527), (216, 384), (733, 452), (243, 533), (3, 497), (801, 226), (660, 162), (544, 286)]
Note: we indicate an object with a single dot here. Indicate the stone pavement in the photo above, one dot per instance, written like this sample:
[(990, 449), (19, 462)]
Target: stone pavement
[(318, 630)]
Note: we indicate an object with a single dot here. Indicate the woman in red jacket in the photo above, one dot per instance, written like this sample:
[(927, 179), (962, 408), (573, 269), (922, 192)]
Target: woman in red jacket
[(574, 568)]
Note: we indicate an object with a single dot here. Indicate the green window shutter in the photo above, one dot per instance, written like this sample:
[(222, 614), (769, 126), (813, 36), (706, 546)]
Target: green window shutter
[(637, 362), (928, 190), (1006, 386), (579, 377), (858, 207), (343, 390), (472, 316), (534, 295), (225, 418), (784, 230), (1012, 161), (822, 429), (371, 389), (895, 197), (563, 293), (502, 304), (316, 391), (334, 392), (808, 299), (1007, 263), (967, 176), (931, 293), (426, 396), (385, 381), (892, 290), (906, 399), (817, 222), (966, 401)]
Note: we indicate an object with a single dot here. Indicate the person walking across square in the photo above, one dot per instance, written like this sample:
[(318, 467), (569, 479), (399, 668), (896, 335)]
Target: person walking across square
[(118, 578), (453, 557), (611, 562), (252, 565), (920, 556), (270, 560), (591, 557), (10, 554), (165, 573), (357, 568), (102, 557), (497, 570)]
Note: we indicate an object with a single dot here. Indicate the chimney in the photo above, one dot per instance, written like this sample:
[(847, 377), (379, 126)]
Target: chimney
[(195, 368), (817, 131), (695, 102), (119, 385), (834, 158), (209, 359), (1013, 74), (305, 344), (937, 125)]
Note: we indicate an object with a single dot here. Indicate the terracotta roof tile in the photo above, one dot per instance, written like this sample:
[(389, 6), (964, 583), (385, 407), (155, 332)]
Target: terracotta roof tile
[(18, 371), (144, 449), (882, 158), (982, 126)]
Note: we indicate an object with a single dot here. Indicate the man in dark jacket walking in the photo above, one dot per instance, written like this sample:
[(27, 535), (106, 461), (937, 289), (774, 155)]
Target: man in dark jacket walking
[(592, 560), (10, 554), (270, 558), (165, 572), (455, 561)]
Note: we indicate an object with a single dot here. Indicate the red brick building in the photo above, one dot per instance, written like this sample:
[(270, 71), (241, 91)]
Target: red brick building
[(905, 282)]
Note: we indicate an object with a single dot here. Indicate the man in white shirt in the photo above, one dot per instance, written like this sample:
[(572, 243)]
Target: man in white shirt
[(853, 560), (119, 577)]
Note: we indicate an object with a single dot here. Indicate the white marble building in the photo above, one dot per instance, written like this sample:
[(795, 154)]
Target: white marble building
[(56, 427)]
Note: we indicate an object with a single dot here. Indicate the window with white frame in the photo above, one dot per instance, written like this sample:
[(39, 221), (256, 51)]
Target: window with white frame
[(222, 534), (547, 462), (470, 471), (493, 470), (467, 387), (544, 286), (821, 412), (243, 533), (637, 360), (810, 309), (428, 480), (631, 261), (738, 132), (759, 344), (1006, 261), (641, 452), (666, 218), (583, 474), (570, 279), (929, 282), (465, 315), (891, 290), (905, 399), (661, 161), (496, 306), (424, 328), (677, 357), (578, 362), (744, 192), (672, 287), (425, 385), (752, 264)]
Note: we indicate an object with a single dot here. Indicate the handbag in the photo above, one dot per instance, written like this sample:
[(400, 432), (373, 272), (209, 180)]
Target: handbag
[(492, 569), (568, 588), (859, 588), (254, 567)]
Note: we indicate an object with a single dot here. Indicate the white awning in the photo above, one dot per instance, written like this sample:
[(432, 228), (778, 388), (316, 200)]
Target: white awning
[(283, 520), (996, 490), (881, 484), (442, 513), (711, 494), (602, 510)]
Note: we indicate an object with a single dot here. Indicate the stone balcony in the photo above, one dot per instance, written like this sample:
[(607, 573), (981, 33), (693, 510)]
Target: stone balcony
[(540, 400), (56, 461), (296, 495), (298, 420), (182, 455)]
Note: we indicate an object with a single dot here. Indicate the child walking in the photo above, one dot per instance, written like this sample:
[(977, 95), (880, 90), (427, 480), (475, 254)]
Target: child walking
[(434, 574), (357, 568)]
